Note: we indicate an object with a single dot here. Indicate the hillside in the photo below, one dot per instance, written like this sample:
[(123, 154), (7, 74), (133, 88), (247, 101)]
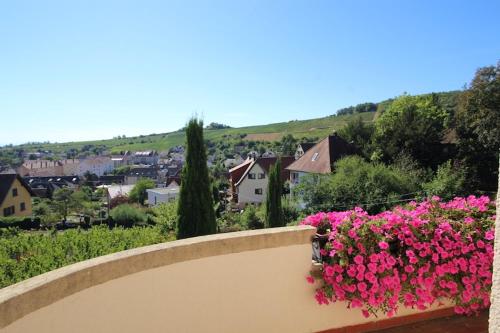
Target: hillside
[(300, 128), (311, 128)]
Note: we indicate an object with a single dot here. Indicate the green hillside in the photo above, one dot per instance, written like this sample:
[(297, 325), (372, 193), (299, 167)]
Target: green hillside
[(300, 128), (312, 128)]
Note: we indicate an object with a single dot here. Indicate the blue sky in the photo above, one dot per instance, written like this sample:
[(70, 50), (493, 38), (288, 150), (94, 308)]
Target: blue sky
[(78, 70)]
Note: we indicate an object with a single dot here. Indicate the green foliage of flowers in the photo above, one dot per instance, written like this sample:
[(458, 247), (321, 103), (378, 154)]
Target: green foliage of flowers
[(24, 255)]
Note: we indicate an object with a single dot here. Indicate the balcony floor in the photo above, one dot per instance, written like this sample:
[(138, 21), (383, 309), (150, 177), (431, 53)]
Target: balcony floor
[(455, 324)]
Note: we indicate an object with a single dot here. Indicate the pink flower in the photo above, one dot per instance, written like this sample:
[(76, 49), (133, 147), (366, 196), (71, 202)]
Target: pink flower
[(358, 259), (329, 271), (443, 256), (383, 245), (362, 286)]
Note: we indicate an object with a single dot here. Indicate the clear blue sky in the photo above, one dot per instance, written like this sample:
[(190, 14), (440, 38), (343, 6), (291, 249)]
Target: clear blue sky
[(77, 70)]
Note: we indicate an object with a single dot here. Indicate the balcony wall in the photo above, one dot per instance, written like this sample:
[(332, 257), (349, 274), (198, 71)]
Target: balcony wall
[(239, 282)]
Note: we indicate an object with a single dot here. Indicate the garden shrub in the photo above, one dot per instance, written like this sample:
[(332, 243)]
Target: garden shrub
[(413, 256), (127, 215)]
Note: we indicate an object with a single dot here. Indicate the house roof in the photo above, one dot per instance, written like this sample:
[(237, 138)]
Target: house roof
[(164, 190), (116, 190), (6, 180), (321, 156), (265, 163), (307, 145)]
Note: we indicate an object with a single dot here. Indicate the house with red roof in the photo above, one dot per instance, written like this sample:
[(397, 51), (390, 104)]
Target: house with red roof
[(248, 181)]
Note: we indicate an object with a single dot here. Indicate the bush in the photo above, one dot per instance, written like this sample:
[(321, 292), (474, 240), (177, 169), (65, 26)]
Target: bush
[(25, 223), (415, 256), (166, 216), (250, 220), (138, 193), (118, 200), (448, 183), (372, 186), (127, 215), (291, 212)]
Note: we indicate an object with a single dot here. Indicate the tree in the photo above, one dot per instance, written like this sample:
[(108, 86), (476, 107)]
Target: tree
[(478, 128), (288, 145), (447, 183), (196, 214), (63, 201), (274, 210), (360, 134), (372, 186), (138, 193), (414, 124)]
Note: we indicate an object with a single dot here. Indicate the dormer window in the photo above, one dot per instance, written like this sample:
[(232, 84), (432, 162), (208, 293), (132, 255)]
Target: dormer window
[(315, 157)]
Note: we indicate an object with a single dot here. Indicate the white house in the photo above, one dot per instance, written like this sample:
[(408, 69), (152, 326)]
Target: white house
[(99, 165), (249, 179), (157, 196)]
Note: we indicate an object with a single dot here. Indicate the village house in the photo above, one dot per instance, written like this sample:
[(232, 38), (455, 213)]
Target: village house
[(149, 157), (157, 196), (115, 191), (15, 196), (44, 187), (302, 148), (99, 166), (320, 158), (136, 173), (122, 159), (71, 167), (232, 162), (248, 181), (40, 168)]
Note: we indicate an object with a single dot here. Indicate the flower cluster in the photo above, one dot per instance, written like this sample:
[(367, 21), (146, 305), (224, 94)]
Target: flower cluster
[(413, 256)]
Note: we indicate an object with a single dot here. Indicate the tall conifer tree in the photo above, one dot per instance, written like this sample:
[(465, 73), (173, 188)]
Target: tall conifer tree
[(196, 216), (274, 210)]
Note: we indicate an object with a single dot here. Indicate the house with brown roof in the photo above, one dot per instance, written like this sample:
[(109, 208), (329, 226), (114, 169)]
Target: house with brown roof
[(15, 196), (320, 158), (302, 148), (248, 181)]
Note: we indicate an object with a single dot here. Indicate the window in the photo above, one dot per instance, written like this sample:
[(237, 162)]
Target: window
[(251, 176), (22, 206), (315, 157), (9, 211), (258, 191), (14, 192), (262, 175)]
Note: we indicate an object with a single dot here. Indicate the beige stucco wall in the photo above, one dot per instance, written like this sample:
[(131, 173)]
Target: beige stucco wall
[(494, 326), (241, 282), (246, 189)]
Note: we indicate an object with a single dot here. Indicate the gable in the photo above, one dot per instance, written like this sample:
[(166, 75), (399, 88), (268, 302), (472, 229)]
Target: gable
[(8, 181)]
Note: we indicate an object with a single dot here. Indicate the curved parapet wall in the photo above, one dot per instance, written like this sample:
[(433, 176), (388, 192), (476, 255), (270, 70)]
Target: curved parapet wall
[(250, 281)]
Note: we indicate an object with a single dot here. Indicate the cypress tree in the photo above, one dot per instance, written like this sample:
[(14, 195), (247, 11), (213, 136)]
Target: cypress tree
[(196, 216), (274, 210)]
